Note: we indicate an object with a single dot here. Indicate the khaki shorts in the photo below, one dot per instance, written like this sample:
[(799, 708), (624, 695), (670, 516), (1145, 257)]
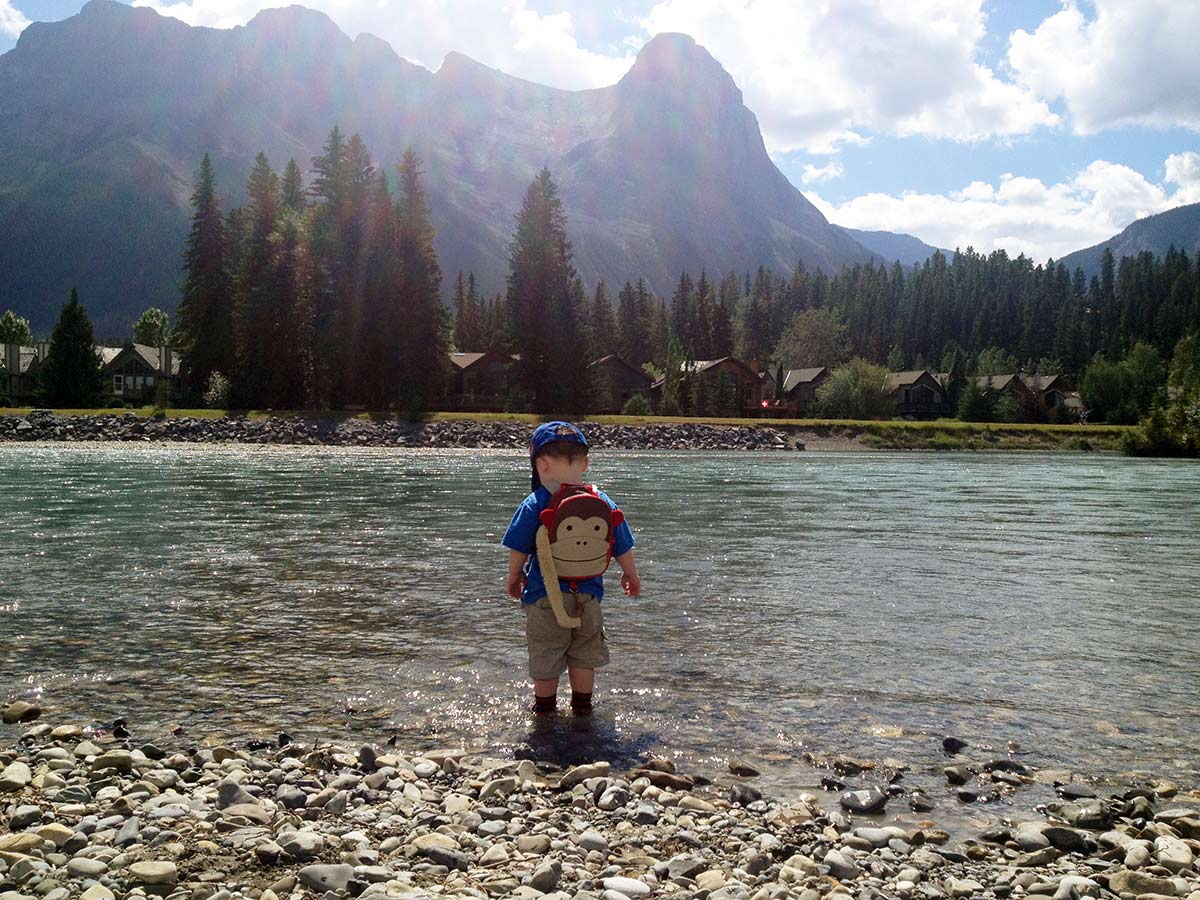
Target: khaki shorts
[(552, 648)]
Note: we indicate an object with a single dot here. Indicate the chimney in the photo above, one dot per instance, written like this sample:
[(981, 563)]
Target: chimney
[(43, 350), (164, 360)]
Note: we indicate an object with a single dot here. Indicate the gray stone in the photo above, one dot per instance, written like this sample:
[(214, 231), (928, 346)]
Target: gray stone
[(128, 832), (743, 794), (154, 872), (19, 710), (533, 843), (84, 867), (331, 877), (872, 800), (230, 793), (451, 859), (546, 877), (963, 887), (1066, 839), (578, 774), (15, 777), (303, 845), (839, 867), (24, 816), (593, 840), (629, 887), (1127, 882), (1173, 854)]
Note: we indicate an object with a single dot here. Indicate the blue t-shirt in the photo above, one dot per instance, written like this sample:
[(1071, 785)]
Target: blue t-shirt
[(521, 535)]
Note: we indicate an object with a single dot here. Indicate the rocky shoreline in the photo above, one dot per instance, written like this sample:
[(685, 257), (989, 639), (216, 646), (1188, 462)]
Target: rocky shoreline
[(44, 425), (97, 812)]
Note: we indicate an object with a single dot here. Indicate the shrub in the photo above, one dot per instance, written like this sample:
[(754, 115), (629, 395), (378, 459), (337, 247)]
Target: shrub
[(637, 405), (216, 394)]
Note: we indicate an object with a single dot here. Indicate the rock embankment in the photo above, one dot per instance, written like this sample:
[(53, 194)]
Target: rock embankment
[(44, 425), (92, 813)]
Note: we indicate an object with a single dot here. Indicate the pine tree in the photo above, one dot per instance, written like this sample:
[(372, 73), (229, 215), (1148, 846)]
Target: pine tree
[(291, 188), (255, 289), (703, 318), (151, 327), (603, 323), (424, 342), (71, 374), (205, 310), (540, 283)]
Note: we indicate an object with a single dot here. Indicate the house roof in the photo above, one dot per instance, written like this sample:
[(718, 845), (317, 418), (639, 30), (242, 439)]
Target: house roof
[(613, 360), (147, 354), (995, 382), (1041, 383), (26, 357), (466, 360), (901, 379), (795, 377), (703, 365)]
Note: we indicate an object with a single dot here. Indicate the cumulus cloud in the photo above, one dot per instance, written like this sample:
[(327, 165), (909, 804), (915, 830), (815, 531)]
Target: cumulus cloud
[(509, 36), (818, 75), (1024, 215), (1133, 62), (815, 174), (12, 20)]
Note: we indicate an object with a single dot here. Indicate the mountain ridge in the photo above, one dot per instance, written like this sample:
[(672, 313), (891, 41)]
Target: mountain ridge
[(110, 111)]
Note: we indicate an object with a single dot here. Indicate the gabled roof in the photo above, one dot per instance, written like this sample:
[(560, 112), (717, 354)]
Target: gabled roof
[(795, 377), (466, 360), (144, 352), (995, 382), (27, 358), (613, 360), (1042, 383), (703, 365), (902, 379)]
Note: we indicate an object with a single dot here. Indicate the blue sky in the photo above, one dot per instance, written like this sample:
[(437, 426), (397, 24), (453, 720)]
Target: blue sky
[(1032, 125)]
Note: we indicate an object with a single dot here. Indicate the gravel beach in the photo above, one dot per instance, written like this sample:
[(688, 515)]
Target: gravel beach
[(96, 812)]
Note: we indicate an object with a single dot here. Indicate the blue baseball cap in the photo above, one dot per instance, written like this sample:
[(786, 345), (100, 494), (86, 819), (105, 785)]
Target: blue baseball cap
[(548, 433)]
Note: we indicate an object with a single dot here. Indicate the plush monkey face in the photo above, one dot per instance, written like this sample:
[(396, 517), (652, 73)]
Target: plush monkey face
[(581, 535)]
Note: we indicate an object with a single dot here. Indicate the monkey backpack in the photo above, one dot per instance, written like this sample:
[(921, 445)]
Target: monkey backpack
[(574, 542)]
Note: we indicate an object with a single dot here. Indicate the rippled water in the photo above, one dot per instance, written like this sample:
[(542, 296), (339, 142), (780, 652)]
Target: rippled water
[(859, 603)]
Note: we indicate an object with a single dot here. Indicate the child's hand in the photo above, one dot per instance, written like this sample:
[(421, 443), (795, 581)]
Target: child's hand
[(632, 585), (516, 585)]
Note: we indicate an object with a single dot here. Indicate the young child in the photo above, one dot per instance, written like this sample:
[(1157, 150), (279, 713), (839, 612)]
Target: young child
[(558, 453)]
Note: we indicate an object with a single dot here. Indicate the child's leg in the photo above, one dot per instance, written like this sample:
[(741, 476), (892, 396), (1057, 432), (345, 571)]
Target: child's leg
[(545, 694), (583, 681)]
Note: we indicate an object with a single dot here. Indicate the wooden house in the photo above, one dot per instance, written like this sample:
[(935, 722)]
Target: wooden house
[(133, 372), (482, 381), (917, 394), (618, 382)]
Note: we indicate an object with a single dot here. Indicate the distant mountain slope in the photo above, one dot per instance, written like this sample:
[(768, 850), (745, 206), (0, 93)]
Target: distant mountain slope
[(1179, 226), (892, 246), (104, 117)]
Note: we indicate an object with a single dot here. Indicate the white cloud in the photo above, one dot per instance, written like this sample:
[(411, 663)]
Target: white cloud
[(1134, 62), (12, 20), (814, 174), (1024, 215), (508, 35), (817, 74)]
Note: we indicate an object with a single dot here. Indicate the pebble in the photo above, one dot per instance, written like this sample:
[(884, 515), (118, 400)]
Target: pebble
[(326, 877), (628, 887), (154, 872)]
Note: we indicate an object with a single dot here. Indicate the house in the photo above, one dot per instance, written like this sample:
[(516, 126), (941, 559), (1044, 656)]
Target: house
[(917, 394), (134, 372), (1051, 392), (19, 372), (800, 388), (619, 381), (1011, 386), (482, 381), (736, 388)]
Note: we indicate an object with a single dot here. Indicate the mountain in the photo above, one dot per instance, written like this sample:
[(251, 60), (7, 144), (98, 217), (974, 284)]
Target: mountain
[(905, 248), (105, 116), (1179, 226)]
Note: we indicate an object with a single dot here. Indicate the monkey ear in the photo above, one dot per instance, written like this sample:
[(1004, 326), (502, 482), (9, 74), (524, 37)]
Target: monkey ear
[(547, 517), (617, 517)]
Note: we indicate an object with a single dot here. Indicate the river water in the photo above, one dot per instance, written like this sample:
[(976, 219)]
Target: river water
[(860, 603)]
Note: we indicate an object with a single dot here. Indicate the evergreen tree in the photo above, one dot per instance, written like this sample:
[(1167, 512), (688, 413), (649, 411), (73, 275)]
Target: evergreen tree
[(71, 373), (603, 323), (974, 404), (255, 292), (291, 188), (425, 339), (541, 294), (704, 319), (205, 309)]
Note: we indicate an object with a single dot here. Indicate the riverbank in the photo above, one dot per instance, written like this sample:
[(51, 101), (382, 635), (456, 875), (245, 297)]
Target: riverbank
[(499, 431), (105, 811)]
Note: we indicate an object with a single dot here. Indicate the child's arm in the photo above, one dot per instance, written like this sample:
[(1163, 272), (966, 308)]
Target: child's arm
[(629, 574), (516, 573)]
